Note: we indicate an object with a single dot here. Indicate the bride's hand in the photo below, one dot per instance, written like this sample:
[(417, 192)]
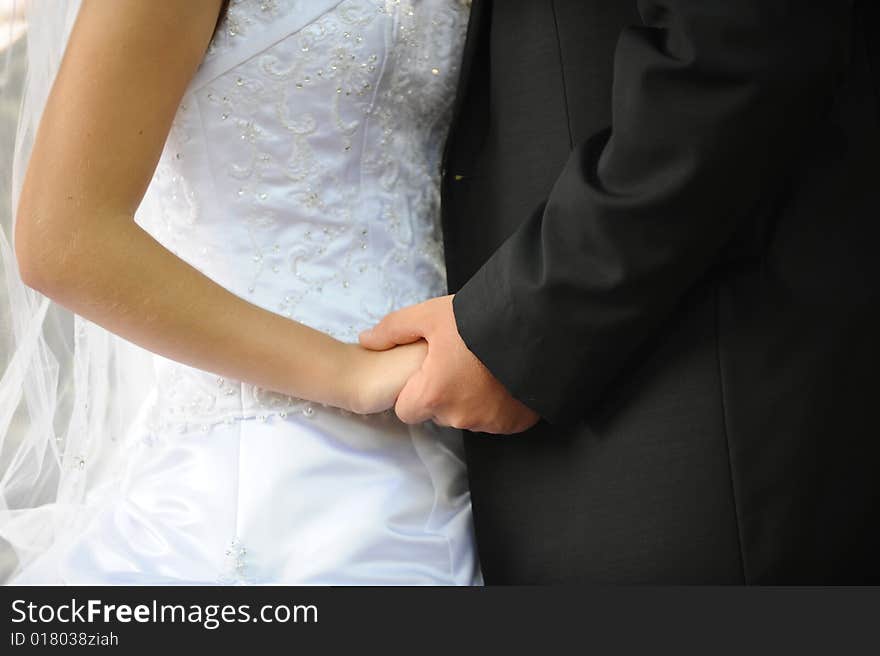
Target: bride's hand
[(375, 378)]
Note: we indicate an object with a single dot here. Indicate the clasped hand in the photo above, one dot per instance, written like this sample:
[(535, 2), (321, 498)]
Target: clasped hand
[(428, 373)]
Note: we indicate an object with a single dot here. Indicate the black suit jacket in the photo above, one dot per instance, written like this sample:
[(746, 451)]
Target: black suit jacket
[(662, 226)]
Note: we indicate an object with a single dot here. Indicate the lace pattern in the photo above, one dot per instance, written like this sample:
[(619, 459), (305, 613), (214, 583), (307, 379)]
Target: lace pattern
[(305, 178)]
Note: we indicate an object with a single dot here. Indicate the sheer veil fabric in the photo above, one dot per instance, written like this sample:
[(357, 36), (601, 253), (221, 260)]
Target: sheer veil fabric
[(65, 400)]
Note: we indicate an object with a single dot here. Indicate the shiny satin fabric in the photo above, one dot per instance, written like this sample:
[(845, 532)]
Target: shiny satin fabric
[(301, 173), (331, 499)]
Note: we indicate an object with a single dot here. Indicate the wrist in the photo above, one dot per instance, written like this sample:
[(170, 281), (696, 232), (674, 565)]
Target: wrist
[(349, 366)]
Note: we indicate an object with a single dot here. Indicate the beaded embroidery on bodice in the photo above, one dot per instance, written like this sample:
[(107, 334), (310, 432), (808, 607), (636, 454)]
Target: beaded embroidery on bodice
[(302, 173)]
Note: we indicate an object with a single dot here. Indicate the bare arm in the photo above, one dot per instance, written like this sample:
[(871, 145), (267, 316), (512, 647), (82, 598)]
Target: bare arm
[(126, 68)]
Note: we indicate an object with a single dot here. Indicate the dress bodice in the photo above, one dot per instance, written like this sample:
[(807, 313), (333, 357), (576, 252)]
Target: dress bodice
[(302, 171), (301, 174)]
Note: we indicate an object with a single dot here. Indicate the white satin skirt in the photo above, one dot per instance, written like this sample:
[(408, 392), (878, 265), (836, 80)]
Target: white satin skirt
[(327, 499)]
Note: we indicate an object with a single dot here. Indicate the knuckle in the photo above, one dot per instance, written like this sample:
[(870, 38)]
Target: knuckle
[(404, 413), (406, 417), (432, 400)]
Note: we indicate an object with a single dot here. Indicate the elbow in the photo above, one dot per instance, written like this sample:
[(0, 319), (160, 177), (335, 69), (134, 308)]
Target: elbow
[(35, 276), (33, 269), (39, 259), (28, 260)]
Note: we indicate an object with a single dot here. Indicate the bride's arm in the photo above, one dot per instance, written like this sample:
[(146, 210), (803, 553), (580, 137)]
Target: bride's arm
[(126, 67)]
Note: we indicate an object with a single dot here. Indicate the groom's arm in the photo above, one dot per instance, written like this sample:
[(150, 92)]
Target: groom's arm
[(715, 101)]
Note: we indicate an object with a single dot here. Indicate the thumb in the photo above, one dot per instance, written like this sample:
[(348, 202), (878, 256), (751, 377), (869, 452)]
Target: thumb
[(397, 328)]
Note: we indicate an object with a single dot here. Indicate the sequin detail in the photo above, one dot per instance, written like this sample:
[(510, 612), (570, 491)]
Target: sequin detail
[(305, 178), (235, 564)]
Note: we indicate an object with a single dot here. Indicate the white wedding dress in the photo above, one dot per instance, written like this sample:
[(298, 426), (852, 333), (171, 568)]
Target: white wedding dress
[(302, 174)]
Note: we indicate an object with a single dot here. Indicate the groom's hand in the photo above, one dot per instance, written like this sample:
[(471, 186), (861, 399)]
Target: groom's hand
[(453, 388)]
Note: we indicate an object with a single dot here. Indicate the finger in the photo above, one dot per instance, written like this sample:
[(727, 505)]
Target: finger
[(518, 420), (409, 407), (401, 327)]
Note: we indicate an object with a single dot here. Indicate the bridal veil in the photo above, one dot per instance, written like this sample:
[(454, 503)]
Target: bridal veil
[(70, 390)]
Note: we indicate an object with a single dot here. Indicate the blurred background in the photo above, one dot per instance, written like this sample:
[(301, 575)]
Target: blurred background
[(12, 42)]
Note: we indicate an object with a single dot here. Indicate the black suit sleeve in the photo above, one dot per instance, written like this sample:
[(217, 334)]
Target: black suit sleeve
[(714, 102)]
